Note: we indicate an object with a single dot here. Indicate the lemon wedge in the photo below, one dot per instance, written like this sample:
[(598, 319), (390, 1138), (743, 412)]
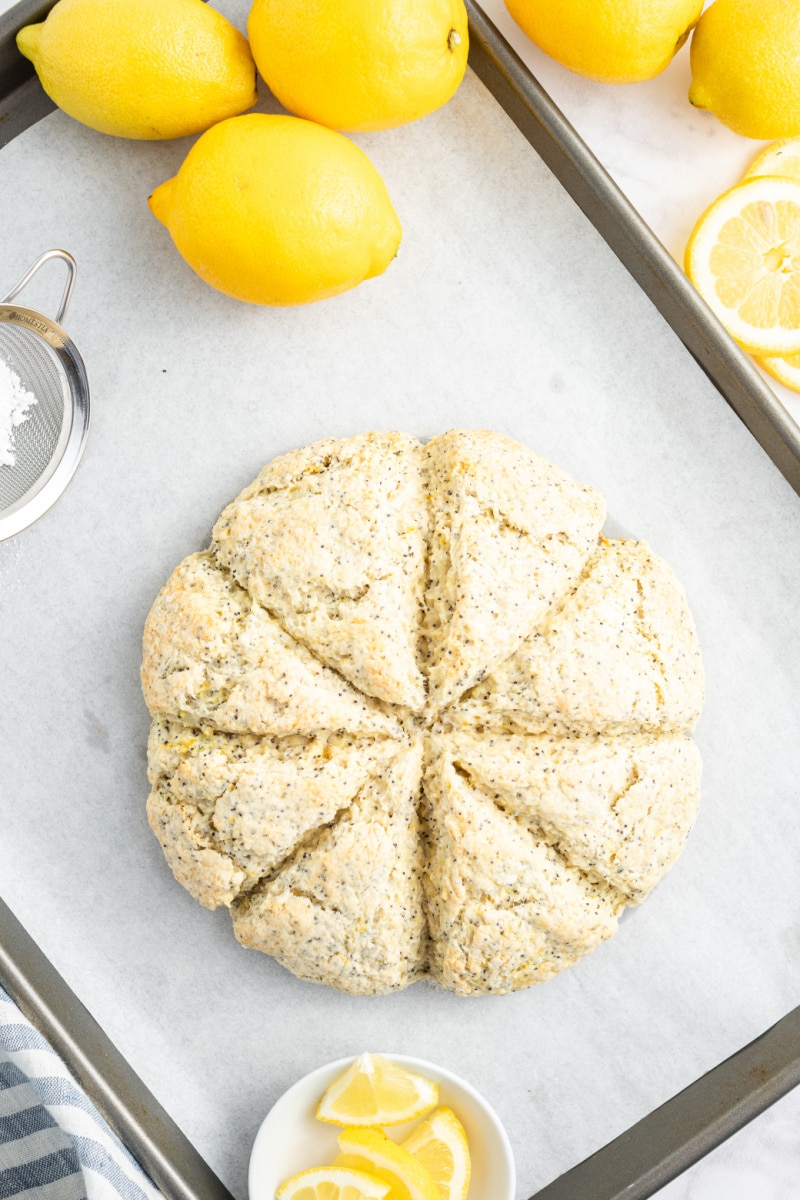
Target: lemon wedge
[(332, 1183), (781, 158), (372, 1151), (440, 1144), (744, 258), (376, 1091)]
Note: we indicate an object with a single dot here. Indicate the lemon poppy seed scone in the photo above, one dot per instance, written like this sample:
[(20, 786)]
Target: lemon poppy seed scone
[(251, 799), (511, 534), (212, 653), (619, 655), (332, 539), (413, 715), (347, 909), (618, 809), (506, 909)]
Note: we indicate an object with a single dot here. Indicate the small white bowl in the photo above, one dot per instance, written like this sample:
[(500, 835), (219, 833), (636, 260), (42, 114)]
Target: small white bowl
[(291, 1139)]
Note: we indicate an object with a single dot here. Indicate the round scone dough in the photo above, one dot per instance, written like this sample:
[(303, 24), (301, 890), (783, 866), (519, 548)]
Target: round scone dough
[(414, 715)]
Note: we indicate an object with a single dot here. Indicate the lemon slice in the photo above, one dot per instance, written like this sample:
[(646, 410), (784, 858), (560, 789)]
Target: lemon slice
[(372, 1151), (744, 259), (332, 1183), (781, 158), (785, 370), (440, 1144), (375, 1091)]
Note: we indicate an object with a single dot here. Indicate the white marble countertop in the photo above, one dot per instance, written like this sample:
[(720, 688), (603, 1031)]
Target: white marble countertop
[(505, 308), (760, 1162)]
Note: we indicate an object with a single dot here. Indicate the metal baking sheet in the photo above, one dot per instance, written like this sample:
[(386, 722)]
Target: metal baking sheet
[(130, 1109), (632, 1167), (667, 1141)]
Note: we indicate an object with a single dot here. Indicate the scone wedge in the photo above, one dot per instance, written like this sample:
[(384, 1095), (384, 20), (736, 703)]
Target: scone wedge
[(505, 908), (213, 654), (228, 809), (618, 808), (619, 654), (332, 541), (510, 536), (347, 910)]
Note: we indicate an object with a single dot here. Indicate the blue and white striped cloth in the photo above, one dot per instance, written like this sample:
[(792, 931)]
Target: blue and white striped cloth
[(54, 1145)]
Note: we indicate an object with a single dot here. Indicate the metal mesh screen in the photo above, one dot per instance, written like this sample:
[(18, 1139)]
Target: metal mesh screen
[(37, 438)]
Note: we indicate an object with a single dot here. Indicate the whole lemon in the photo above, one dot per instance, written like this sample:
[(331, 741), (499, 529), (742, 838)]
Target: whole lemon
[(360, 64), (614, 41), (276, 210), (745, 58), (142, 68)]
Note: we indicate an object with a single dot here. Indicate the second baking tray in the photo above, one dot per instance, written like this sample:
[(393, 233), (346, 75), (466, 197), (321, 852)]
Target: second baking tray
[(673, 1136)]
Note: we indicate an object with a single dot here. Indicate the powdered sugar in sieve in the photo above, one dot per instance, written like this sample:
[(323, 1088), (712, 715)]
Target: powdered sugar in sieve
[(15, 403), (44, 405)]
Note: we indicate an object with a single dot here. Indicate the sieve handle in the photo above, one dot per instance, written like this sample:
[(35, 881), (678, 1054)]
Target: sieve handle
[(72, 269)]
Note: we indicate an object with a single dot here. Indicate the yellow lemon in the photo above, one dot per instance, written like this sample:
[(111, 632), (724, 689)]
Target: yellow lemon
[(614, 41), (744, 258), (781, 158), (332, 1183), (785, 370), (360, 64), (372, 1151), (745, 58), (275, 210), (376, 1091), (440, 1144), (142, 68)]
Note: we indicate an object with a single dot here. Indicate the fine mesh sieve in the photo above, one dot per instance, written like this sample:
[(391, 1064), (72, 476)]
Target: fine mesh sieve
[(49, 443)]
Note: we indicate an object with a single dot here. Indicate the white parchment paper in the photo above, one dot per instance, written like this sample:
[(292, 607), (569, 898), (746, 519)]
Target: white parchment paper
[(504, 309)]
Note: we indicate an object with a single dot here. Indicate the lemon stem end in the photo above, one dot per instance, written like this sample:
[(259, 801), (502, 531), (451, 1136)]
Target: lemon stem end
[(28, 40), (160, 201)]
